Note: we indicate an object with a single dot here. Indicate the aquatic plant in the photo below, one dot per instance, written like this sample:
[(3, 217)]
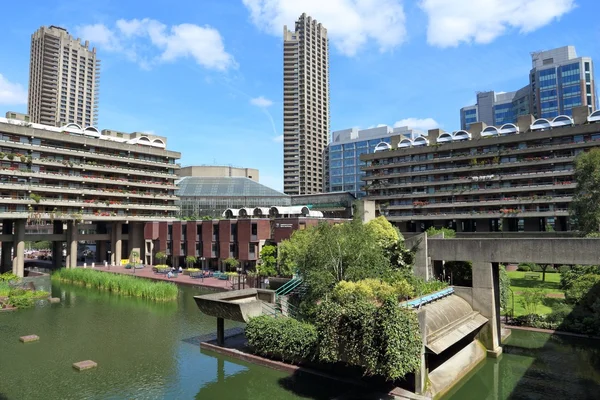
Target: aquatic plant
[(121, 284)]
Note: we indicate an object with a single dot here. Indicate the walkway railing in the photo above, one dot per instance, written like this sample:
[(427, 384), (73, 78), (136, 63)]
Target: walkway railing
[(289, 287), (416, 303)]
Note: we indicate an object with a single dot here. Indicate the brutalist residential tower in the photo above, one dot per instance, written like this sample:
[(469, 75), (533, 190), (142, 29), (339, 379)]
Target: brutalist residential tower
[(305, 106)]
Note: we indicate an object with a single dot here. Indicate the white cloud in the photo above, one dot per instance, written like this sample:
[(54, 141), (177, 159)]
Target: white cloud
[(12, 93), (278, 139), (482, 21), (350, 24), (261, 102), (201, 43), (418, 123)]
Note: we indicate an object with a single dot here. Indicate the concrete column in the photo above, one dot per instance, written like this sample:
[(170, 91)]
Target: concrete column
[(136, 240), (220, 331), (118, 242), (486, 295), (71, 261), (101, 249), (421, 373), (19, 248), (57, 228), (7, 229)]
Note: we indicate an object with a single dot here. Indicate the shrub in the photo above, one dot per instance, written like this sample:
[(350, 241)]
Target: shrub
[(281, 337), (584, 290), (161, 256), (531, 299), (4, 289), (125, 285), (22, 298), (568, 277), (370, 290), (563, 269), (448, 233), (525, 267), (382, 340), (193, 269), (504, 287), (8, 277), (423, 287)]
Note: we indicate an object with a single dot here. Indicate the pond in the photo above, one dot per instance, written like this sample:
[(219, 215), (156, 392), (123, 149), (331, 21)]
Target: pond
[(143, 350), (537, 366)]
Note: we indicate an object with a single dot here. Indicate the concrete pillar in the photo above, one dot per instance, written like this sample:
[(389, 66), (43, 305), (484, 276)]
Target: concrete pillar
[(220, 331), (422, 263), (117, 254), (421, 373), (101, 251), (19, 248), (136, 240), (71, 261), (57, 263), (486, 295), (7, 229)]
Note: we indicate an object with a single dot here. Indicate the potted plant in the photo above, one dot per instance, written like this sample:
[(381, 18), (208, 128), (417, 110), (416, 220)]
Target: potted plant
[(161, 257)]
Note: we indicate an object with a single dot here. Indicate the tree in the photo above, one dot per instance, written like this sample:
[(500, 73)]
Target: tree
[(190, 261), (291, 251), (231, 263), (384, 232), (161, 257), (585, 207), (448, 233), (268, 261), (504, 287)]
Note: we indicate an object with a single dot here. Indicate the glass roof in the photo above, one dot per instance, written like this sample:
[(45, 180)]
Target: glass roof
[(193, 186)]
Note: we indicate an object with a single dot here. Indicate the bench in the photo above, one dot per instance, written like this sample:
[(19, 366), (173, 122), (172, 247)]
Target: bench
[(532, 275)]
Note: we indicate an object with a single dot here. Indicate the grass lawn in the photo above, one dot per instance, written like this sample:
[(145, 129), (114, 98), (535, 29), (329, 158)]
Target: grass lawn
[(518, 283)]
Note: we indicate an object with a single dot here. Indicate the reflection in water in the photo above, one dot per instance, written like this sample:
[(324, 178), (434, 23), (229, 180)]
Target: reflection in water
[(537, 366), (139, 346)]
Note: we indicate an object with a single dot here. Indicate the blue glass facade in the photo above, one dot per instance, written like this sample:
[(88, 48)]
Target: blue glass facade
[(345, 164), (503, 114), (560, 90), (469, 117)]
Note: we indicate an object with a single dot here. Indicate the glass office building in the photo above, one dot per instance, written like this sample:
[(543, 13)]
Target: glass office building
[(344, 165), (558, 81)]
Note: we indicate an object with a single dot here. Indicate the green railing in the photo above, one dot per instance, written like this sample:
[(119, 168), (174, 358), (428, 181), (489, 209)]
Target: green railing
[(289, 287)]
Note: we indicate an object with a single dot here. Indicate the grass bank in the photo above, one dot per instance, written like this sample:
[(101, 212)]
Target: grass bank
[(551, 288), (121, 284)]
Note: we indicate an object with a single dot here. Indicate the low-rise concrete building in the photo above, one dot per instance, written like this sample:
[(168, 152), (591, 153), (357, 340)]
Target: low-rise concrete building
[(218, 171)]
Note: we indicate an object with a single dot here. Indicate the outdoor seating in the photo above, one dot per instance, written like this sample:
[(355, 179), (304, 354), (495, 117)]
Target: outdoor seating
[(532, 275)]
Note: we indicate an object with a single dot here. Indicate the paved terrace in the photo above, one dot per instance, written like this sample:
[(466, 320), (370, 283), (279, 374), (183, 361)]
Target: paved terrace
[(181, 279)]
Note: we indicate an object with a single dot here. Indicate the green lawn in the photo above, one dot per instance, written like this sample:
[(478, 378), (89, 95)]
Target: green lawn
[(518, 284)]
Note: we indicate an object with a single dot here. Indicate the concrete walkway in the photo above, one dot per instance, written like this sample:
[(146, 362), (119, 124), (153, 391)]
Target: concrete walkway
[(181, 279)]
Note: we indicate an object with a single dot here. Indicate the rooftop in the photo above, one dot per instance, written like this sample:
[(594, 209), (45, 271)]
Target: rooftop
[(194, 186)]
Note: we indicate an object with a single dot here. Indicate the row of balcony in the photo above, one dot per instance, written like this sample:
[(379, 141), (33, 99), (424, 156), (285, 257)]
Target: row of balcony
[(417, 204), (86, 203), (111, 192), (83, 153), (103, 168), (505, 213), (478, 191), (83, 216)]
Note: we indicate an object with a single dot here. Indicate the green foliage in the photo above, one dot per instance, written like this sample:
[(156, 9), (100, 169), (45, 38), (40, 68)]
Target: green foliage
[(292, 251), (334, 253), (448, 233), (584, 290), (585, 207), (384, 233), (281, 337), (193, 269), (190, 260), (161, 257), (371, 290), (423, 287), (504, 287), (382, 340), (268, 264), (531, 299), (22, 298), (525, 267), (122, 284), (9, 277), (35, 197), (231, 263), (5, 289)]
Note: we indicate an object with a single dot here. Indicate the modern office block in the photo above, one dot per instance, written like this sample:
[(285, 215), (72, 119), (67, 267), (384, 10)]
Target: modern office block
[(64, 79), (305, 106), (343, 154), (515, 177), (558, 82)]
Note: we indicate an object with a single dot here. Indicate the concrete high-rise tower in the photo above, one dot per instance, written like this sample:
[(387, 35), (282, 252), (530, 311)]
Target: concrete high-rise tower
[(305, 106), (63, 79)]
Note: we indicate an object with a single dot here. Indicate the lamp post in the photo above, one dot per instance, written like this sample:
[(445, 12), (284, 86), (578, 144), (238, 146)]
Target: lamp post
[(202, 262), (109, 259)]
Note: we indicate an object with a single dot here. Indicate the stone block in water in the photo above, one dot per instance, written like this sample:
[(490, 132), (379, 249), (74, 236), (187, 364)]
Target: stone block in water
[(83, 365), (29, 338)]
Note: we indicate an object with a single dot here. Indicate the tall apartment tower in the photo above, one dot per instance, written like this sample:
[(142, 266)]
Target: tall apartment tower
[(64, 79), (305, 106)]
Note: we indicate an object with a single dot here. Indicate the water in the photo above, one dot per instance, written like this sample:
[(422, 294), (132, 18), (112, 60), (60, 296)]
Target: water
[(144, 350), (537, 366)]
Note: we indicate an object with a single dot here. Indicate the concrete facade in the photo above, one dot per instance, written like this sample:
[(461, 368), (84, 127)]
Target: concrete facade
[(74, 184), (218, 171), (305, 106), (488, 179), (64, 79)]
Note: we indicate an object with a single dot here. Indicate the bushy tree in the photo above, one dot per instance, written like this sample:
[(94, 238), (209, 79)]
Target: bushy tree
[(384, 232), (268, 262), (585, 207), (292, 251)]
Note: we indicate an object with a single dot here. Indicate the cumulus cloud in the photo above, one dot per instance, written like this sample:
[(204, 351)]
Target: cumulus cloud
[(11, 93), (350, 23), (418, 123), (166, 43), (454, 21), (261, 102), (278, 139)]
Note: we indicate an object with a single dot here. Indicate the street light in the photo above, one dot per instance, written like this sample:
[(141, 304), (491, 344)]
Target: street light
[(109, 259), (202, 262)]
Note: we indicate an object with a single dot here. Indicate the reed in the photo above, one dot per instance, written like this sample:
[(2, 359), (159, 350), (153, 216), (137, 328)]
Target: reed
[(122, 284)]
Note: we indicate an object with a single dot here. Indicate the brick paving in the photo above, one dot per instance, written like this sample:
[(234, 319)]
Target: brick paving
[(181, 279)]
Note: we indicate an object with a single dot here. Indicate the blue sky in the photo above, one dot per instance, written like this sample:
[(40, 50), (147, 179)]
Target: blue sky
[(207, 74)]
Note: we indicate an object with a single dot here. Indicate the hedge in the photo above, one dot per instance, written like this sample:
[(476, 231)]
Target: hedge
[(281, 337)]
